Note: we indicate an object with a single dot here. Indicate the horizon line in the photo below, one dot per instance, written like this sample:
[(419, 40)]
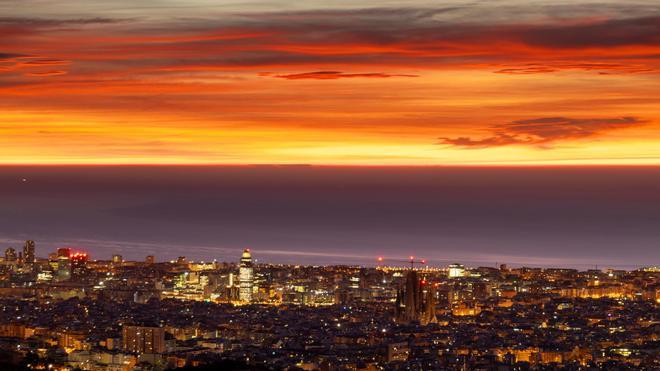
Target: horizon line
[(329, 165)]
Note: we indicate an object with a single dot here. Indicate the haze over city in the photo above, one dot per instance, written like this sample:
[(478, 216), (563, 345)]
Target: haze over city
[(575, 217)]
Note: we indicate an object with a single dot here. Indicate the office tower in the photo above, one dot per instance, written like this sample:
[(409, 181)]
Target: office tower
[(150, 259), (232, 290), (63, 264), (246, 276), (143, 339), (78, 264), (10, 254), (117, 259), (28, 252), (456, 270)]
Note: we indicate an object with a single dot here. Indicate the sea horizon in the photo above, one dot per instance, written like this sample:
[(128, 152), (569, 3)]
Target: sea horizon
[(535, 216)]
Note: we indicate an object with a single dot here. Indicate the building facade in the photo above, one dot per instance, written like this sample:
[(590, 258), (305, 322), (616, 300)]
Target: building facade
[(142, 339), (246, 277), (28, 252)]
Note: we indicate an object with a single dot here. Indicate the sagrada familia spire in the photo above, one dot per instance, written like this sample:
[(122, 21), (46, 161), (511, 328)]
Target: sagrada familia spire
[(416, 302)]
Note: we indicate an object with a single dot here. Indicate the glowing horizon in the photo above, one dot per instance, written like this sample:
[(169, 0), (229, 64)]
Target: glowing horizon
[(549, 83)]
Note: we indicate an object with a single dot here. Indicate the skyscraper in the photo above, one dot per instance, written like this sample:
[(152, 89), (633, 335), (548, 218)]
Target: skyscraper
[(456, 270), (246, 277), (10, 255), (28, 252), (78, 264), (117, 259), (63, 264)]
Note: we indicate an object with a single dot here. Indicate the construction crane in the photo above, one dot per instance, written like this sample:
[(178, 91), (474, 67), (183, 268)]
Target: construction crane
[(411, 260)]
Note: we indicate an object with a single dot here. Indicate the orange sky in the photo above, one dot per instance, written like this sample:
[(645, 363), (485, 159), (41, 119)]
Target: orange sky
[(374, 83)]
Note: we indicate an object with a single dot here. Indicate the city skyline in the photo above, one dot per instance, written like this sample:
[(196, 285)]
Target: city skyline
[(275, 257), (69, 311)]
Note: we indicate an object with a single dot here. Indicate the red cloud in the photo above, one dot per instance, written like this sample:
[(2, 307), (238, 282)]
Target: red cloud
[(46, 73), (349, 38), (44, 62), (333, 75), (602, 68), (526, 70)]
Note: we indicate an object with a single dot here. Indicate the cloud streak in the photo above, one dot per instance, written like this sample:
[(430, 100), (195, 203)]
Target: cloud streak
[(47, 73), (334, 75), (350, 38), (543, 131)]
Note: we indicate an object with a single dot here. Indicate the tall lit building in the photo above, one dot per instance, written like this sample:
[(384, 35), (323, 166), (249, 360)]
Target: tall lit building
[(141, 339), (28, 252), (10, 255), (456, 270), (232, 292), (246, 276), (63, 264), (117, 259), (78, 264)]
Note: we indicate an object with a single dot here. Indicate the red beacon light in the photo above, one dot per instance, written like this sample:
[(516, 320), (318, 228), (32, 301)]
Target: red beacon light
[(380, 259)]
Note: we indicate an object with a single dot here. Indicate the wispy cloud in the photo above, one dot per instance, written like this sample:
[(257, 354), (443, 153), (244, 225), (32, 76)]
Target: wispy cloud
[(602, 68), (46, 73), (49, 22), (333, 75), (543, 131)]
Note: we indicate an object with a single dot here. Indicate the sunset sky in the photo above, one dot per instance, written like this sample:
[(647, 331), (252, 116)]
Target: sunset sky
[(330, 82)]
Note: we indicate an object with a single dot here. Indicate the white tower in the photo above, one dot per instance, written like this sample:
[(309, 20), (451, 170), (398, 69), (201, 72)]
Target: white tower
[(245, 277)]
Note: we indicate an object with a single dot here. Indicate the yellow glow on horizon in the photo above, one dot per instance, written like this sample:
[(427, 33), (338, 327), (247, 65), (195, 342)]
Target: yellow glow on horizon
[(394, 121)]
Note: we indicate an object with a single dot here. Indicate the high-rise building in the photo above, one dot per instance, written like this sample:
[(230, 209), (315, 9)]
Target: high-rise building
[(117, 259), (232, 292), (28, 252), (456, 270), (143, 339), (10, 254), (63, 264), (246, 276), (78, 264), (150, 259)]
